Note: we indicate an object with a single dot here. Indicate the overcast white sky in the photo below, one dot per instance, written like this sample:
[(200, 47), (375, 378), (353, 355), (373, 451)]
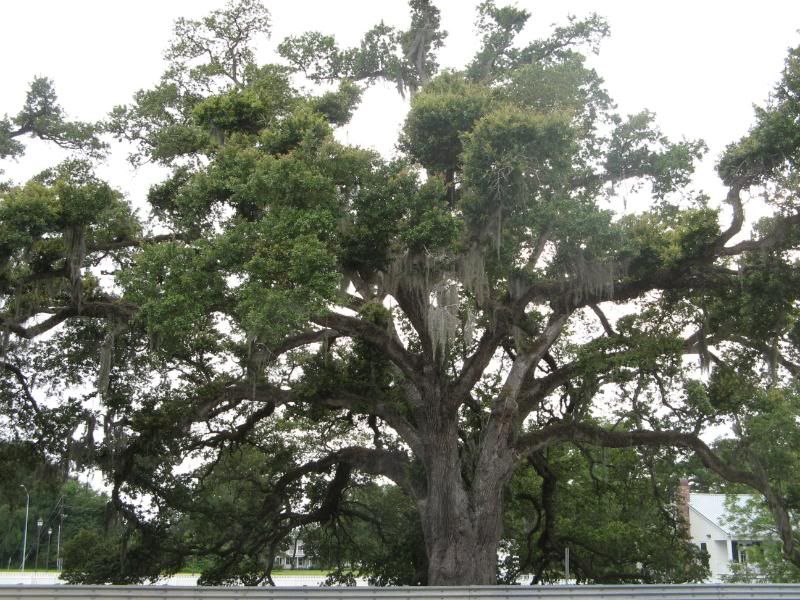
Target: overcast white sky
[(699, 65)]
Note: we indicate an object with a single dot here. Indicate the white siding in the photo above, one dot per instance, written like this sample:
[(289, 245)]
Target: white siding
[(705, 532)]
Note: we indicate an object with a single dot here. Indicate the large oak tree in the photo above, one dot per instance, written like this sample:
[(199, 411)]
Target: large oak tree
[(306, 311)]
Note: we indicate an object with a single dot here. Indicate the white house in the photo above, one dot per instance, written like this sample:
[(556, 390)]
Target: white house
[(295, 557), (710, 528)]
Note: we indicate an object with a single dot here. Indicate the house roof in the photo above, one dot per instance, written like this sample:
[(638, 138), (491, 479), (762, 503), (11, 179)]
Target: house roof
[(713, 507)]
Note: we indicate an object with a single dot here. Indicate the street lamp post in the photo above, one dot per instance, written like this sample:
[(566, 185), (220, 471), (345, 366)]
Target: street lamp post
[(25, 534), (58, 541), (47, 558), (39, 524)]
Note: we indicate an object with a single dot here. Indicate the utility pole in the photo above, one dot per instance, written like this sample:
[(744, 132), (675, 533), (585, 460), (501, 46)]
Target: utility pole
[(25, 534)]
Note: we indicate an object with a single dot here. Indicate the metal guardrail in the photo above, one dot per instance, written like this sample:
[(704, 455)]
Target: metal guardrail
[(587, 592)]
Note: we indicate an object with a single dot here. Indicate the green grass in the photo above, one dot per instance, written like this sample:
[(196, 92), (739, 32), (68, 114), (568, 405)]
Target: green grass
[(275, 572), (296, 572), (27, 570), (282, 572)]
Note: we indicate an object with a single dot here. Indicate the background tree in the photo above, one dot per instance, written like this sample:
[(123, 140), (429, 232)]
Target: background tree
[(439, 320), (42, 117), (615, 509), (763, 560), (375, 535), (53, 495)]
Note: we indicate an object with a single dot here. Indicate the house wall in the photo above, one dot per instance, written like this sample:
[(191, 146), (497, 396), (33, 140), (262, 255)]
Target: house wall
[(703, 531), (295, 557)]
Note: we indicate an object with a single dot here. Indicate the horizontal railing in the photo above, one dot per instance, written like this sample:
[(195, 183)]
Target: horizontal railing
[(588, 592)]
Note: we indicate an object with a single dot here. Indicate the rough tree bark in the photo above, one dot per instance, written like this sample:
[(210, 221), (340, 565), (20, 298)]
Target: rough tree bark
[(461, 512), (461, 503)]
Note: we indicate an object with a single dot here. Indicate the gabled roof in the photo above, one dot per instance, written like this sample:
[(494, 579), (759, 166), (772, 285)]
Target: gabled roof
[(712, 507)]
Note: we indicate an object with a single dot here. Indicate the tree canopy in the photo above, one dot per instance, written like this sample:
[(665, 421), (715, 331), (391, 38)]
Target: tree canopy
[(474, 319)]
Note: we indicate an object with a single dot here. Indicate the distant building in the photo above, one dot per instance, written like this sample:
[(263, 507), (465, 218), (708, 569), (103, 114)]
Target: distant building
[(294, 558), (710, 528)]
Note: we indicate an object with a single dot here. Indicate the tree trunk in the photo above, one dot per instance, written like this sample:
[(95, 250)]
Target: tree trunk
[(459, 559), (462, 523), (461, 542)]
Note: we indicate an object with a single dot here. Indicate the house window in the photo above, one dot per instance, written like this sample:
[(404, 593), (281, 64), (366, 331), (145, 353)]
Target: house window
[(735, 551), (704, 547)]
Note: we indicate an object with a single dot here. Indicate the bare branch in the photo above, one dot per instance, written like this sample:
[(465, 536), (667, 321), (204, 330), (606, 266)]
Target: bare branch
[(603, 320)]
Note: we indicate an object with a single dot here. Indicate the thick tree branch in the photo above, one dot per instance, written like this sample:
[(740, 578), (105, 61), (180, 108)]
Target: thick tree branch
[(228, 398), (384, 410), (793, 368), (329, 506), (533, 393), (693, 272), (597, 436), (603, 320), (528, 359), (33, 331), (99, 309), (239, 433), (476, 364), (735, 200), (541, 245), (495, 461), (23, 383), (263, 353), (393, 464), (121, 244), (546, 543), (414, 304), (782, 229), (378, 337)]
